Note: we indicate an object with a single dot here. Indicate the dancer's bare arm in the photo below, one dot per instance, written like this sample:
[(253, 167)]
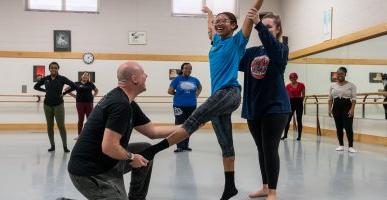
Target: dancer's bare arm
[(210, 19), (248, 23)]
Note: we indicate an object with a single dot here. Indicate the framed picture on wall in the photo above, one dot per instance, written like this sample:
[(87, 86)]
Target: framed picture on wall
[(333, 76), (173, 73), (375, 77), (62, 40), (137, 37), (39, 71), (92, 76)]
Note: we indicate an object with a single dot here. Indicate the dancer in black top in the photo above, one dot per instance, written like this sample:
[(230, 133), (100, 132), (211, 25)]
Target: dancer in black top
[(53, 103), (86, 92)]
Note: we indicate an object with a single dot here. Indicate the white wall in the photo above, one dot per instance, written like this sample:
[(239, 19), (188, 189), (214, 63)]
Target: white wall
[(303, 19), (104, 32), (375, 48), (18, 72), (108, 31)]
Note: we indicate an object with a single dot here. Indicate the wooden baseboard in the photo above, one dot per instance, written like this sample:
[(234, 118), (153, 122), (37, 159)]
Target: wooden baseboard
[(360, 137), (30, 126), (39, 126)]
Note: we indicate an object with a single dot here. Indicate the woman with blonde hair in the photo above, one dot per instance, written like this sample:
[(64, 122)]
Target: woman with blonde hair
[(84, 99), (266, 104)]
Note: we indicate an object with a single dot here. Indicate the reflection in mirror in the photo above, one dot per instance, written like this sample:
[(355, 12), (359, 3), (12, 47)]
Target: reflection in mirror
[(366, 62)]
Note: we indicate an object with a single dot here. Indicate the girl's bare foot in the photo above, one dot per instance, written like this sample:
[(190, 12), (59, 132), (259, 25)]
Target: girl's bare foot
[(272, 195), (263, 192)]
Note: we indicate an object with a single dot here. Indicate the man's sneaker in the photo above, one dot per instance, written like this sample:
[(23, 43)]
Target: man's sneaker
[(178, 150), (351, 150), (66, 150), (340, 148), (187, 149), (51, 149)]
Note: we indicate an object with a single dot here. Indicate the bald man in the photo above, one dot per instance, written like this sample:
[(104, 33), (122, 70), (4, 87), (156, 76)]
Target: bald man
[(102, 155)]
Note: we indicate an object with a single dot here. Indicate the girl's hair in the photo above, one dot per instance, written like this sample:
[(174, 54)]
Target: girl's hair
[(231, 17), (293, 74), (343, 69), (53, 63), (86, 74), (277, 21), (182, 65)]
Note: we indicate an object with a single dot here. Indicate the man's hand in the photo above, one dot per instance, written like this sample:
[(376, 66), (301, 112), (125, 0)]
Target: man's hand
[(138, 161), (330, 113)]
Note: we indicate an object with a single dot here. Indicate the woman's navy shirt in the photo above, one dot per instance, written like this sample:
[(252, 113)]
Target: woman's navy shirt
[(264, 89)]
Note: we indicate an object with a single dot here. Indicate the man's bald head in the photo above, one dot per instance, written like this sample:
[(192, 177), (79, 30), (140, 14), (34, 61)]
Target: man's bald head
[(126, 70)]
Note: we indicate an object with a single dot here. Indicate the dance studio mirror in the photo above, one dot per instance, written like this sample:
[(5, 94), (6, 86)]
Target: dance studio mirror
[(366, 62)]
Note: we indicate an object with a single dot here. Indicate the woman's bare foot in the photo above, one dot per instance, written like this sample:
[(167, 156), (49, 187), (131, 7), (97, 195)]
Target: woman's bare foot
[(263, 192), (272, 195)]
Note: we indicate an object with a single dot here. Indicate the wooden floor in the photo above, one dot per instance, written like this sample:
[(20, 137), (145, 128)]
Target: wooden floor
[(310, 169)]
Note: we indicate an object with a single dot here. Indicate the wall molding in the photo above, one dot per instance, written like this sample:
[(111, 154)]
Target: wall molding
[(339, 61), (358, 36), (103, 56), (294, 56), (360, 137)]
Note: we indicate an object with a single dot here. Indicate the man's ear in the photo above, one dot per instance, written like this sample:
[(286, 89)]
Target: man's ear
[(134, 79)]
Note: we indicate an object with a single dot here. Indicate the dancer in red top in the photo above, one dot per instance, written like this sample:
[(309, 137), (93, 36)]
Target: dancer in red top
[(296, 92)]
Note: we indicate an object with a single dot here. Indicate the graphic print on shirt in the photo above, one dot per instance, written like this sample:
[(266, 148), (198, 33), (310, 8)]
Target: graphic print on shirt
[(259, 67), (177, 111), (187, 86), (82, 86)]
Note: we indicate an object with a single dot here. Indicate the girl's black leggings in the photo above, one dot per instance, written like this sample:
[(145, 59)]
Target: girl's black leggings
[(341, 107), (267, 132)]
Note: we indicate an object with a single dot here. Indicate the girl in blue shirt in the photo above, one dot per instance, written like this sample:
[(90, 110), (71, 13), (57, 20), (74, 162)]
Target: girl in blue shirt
[(185, 90), (265, 101), (224, 56)]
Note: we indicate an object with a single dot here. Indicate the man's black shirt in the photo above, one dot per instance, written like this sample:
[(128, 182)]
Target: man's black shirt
[(114, 111)]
